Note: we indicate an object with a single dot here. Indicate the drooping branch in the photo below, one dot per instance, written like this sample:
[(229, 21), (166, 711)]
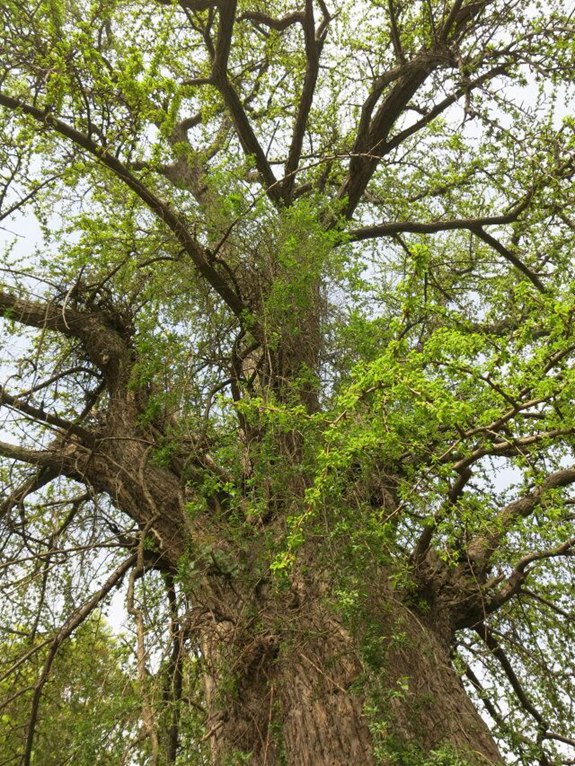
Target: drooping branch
[(509, 256), (484, 632)]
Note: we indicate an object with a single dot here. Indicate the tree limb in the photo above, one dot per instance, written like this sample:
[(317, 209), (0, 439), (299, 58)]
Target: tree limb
[(39, 415), (510, 447), (474, 225), (237, 112), (313, 47), (481, 548), (173, 220), (42, 477), (278, 24), (520, 572), (106, 347), (508, 255), (495, 648), (433, 227)]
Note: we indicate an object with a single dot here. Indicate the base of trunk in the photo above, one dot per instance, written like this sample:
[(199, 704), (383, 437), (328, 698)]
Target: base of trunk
[(314, 696)]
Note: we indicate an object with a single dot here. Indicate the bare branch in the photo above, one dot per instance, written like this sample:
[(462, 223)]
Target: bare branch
[(444, 104), (474, 225)]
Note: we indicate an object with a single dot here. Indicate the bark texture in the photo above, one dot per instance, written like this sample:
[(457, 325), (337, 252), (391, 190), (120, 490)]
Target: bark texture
[(296, 687)]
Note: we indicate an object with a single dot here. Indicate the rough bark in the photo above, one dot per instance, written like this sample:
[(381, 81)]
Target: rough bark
[(295, 687)]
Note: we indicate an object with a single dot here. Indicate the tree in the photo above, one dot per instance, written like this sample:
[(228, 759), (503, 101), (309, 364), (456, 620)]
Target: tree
[(292, 357)]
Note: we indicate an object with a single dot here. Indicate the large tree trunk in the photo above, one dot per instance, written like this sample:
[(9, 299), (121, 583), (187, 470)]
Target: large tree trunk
[(295, 687), (287, 681)]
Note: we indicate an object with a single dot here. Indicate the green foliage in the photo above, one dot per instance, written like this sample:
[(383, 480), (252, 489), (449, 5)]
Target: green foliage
[(89, 708)]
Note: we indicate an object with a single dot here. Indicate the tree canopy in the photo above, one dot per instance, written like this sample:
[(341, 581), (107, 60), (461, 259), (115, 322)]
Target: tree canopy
[(287, 309)]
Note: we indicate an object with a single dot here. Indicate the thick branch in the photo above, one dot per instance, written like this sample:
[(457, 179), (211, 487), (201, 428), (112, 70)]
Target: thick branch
[(192, 5), (481, 548), (313, 48), (268, 21), (105, 346), (44, 458), (372, 141), (520, 572), (237, 112), (474, 225), (370, 144), (39, 415), (433, 227)]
